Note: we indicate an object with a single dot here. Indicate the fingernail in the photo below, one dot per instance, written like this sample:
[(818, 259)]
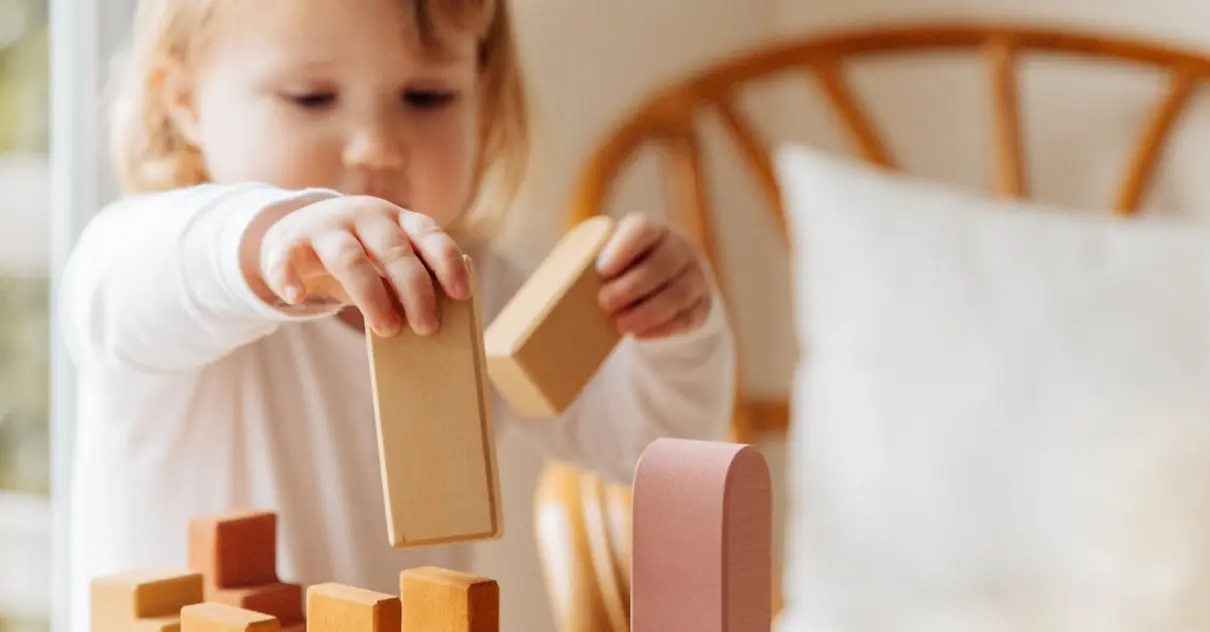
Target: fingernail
[(389, 326), (426, 324), (293, 294)]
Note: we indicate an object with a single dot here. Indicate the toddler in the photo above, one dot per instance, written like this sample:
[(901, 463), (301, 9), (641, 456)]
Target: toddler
[(275, 146)]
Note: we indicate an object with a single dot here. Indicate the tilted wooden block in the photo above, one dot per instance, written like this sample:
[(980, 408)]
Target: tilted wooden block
[(146, 600), (437, 447), (702, 554), (217, 617), (284, 601), (440, 600), (552, 336), (236, 549), (338, 608)]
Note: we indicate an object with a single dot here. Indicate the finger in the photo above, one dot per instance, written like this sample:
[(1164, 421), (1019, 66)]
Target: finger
[(664, 305), (439, 252), (637, 283), (391, 251), (281, 273), (685, 320), (346, 260), (634, 237)]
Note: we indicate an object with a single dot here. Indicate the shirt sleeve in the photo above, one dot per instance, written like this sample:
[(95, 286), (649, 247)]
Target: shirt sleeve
[(680, 386), (155, 282)]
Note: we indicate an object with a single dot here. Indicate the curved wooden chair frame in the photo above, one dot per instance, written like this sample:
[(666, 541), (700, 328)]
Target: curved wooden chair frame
[(583, 524)]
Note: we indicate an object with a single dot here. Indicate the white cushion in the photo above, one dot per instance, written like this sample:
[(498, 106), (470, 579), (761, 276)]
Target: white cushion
[(1002, 413)]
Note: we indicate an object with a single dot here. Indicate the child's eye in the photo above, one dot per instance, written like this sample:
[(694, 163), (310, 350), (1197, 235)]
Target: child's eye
[(312, 100), (428, 99)]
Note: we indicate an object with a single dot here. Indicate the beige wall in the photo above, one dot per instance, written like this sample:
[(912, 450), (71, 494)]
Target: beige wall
[(590, 61)]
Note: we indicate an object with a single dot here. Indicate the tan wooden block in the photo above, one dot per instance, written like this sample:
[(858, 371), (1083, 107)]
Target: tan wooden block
[(338, 608), (281, 600), (437, 448), (236, 549), (218, 617), (702, 556), (119, 600), (153, 624), (553, 336), (439, 600)]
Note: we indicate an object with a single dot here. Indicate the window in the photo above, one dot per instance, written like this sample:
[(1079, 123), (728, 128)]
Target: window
[(25, 470)]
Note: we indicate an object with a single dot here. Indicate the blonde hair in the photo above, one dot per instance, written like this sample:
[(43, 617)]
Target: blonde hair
[(150, 154)]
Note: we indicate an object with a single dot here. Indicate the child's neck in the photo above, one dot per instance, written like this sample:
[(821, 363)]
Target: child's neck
[(351, 316)]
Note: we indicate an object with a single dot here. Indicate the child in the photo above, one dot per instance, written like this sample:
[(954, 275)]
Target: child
[(269, 146)]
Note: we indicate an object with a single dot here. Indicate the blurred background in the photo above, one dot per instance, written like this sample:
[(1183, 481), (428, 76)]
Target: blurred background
[(24, 323)]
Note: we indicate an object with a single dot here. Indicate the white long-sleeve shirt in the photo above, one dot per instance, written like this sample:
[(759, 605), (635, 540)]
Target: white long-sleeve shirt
[(196, 397)]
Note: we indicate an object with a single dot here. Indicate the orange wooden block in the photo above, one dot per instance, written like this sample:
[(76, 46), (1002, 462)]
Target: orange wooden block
[(437, 448), (151, 592), (281, 600), (218, 617), (151, 624), (440, 600), (146, 599), (339, 608), (702, 555), (234, 550), (552, 336)]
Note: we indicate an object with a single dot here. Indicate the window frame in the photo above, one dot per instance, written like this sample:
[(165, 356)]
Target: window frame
[(84, 35)]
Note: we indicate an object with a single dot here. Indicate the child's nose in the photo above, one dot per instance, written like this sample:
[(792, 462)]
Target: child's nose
[(374, 149)]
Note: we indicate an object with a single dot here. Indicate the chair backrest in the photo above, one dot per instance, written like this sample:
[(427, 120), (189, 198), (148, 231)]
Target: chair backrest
[(669, 120)]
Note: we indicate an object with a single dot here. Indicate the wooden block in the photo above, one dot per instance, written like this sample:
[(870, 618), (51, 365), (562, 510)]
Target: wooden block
[(437, 448), (152, 624), (147, 593), (237, 549), (218, 617), (702, 555), (440, 600), (145, 600), (283, 601), (339, 608), (552, 336)]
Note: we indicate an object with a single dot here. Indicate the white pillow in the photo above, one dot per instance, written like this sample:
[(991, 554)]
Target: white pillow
[(1002, 415)]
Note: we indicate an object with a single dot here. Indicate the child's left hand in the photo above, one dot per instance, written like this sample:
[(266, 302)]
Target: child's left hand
[(654, 283)]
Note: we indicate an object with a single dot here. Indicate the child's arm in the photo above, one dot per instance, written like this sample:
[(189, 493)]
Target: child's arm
[(156, 282)]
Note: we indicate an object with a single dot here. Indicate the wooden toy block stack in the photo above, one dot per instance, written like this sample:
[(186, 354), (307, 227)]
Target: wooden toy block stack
[(236, 553), (702, 511)]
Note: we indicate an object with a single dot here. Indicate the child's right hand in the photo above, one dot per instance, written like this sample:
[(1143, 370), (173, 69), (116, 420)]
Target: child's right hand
[(377, 253)]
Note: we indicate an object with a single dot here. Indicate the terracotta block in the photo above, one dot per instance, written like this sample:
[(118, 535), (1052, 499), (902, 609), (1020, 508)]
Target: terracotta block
[(281, 600), (217, 617), (552, 336), (236, 549), (702, 538), (339, 608), (440, 600)]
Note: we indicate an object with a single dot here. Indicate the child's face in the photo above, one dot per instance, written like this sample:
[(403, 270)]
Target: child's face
[(329, 93)]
